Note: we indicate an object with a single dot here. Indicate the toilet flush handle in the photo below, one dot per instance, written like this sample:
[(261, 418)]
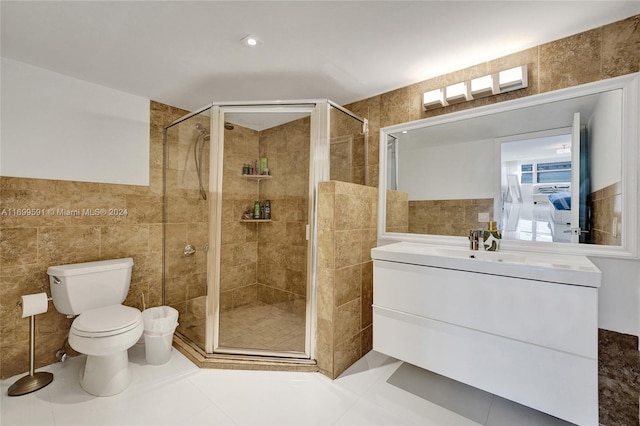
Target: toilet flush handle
[(56, 280)]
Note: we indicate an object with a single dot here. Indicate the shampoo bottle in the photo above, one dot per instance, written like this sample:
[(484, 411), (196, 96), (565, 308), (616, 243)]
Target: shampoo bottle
[(267, 209)]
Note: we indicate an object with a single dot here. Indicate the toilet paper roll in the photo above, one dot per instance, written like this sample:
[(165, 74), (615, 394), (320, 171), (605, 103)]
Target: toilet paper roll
[(34, 304)]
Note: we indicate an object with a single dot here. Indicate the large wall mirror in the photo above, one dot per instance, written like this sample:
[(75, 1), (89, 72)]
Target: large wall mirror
[(557, 172)]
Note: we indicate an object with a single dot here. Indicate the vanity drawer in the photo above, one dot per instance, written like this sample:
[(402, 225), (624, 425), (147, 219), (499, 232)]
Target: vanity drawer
[(555, 382), (562, 317)]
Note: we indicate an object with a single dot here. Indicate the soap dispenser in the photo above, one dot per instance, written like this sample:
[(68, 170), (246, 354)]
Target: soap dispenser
[(492, 237)]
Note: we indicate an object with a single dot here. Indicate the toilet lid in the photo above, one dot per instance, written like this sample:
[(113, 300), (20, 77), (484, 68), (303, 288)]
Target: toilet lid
[(107, 321)]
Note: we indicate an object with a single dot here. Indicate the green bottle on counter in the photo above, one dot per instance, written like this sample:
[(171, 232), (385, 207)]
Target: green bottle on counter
[(492, 237)]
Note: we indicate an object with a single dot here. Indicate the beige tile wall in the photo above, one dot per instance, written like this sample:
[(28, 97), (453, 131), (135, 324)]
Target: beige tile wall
[(239, 243), (28, 245), (397, 211), (606, 205), (347, 216), (447, 217), (186, 223), (604, 52), (347, 149), (282, 244)]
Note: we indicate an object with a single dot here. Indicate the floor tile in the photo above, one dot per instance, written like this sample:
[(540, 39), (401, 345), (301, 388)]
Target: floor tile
[(376, 390), (275, 397), (30, 409), (457, 397), (508, 413)]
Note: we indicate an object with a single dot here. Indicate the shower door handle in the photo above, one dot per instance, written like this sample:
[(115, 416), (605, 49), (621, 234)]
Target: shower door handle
[(189, 250)]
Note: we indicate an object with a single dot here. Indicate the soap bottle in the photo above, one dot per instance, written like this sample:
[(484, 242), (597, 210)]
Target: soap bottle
[(267, 209), (492, 237), (256, 210)]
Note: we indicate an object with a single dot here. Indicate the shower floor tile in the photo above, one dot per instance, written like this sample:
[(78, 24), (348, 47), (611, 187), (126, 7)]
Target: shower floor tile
[(256, 325), (262, 326)]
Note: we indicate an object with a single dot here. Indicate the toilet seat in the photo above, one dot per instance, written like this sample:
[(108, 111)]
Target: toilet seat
[(106, 322)]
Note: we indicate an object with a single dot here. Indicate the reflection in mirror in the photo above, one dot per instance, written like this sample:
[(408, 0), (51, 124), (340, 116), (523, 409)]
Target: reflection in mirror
[(392, 163), (536, 188), (548, 170)]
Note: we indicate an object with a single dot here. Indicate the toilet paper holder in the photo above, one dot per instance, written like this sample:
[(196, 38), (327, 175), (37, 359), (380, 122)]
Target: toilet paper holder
[(33, 381)]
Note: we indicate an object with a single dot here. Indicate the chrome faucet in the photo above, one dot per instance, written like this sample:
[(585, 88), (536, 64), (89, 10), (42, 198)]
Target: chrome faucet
[(474, 239)]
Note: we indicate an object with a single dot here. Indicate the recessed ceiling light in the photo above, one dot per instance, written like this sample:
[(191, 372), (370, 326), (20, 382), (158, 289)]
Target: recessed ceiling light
[(250, 40)]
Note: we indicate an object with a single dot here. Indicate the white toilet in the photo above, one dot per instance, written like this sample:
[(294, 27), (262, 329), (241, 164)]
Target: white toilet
[(104, 329)]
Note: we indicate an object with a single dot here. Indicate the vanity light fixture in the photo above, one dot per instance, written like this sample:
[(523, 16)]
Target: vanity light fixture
[(484, 86), (458, 93), (487, 85), (513, 78), (434, 99), (563, 150), (250, 40)]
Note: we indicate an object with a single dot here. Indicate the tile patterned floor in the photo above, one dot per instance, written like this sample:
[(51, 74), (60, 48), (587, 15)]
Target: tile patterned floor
[(376, 390), (253, 326), (262, 326)]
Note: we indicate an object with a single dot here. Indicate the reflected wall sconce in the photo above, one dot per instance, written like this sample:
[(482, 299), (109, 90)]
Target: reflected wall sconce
[(488, 85)]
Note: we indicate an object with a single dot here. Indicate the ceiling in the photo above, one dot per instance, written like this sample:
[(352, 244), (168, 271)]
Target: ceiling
[(188, 53)]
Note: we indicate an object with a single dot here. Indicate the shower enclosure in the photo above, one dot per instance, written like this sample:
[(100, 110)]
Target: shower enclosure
[(240, 225)]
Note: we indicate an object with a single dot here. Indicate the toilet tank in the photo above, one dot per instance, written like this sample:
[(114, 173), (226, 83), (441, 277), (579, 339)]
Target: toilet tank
[(79, 287)]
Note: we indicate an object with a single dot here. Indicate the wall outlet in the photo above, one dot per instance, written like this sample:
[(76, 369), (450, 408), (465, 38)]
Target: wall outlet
[(483, 217)]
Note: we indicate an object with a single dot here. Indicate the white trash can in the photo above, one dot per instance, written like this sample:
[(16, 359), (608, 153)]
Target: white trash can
[(159, 325)]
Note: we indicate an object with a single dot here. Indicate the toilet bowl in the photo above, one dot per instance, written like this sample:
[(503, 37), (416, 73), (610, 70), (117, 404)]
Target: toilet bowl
[(104, 335), (104, 329)]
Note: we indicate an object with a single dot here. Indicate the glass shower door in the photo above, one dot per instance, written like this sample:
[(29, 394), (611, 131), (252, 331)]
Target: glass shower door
[(186, 222), (262, 275)]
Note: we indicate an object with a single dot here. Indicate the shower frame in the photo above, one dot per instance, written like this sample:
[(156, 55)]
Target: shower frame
[(319, 170)]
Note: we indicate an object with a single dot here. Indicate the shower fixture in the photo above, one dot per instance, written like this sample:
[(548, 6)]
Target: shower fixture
[(201, 129), (198, 154), (227, 126)]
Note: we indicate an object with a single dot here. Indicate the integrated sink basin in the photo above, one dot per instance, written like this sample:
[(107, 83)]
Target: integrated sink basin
[(556, 268)]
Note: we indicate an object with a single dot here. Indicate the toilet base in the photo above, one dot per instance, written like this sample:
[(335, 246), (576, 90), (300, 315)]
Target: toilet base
[(106, 375)]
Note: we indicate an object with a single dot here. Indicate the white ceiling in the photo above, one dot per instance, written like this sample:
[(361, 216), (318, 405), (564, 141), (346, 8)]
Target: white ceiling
[(188, 53)]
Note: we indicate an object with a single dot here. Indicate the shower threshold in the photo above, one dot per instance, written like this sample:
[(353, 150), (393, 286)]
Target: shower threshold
[(240, 362)]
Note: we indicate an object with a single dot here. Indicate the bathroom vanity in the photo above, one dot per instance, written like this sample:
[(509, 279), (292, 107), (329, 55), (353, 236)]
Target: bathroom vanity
[(523, 326)]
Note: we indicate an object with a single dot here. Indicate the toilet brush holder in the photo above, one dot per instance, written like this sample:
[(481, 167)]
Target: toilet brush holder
[(33, 381)]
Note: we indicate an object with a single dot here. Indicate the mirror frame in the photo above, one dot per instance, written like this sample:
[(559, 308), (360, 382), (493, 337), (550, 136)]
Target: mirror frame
[(630, 162)]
